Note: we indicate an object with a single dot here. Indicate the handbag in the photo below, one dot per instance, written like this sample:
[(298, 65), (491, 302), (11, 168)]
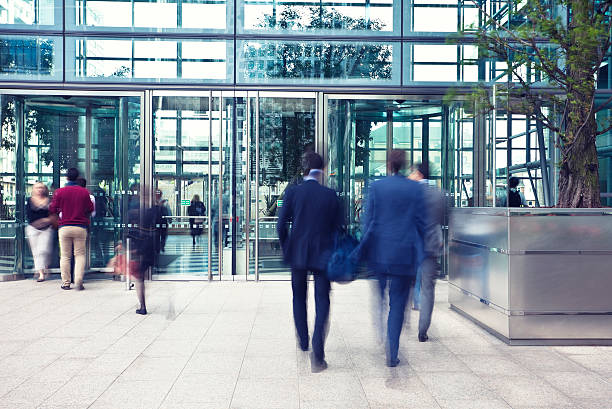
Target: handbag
[(340, 267)]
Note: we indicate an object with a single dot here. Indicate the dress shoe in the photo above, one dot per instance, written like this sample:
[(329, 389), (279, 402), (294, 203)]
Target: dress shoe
[(317, 365), (80, 288), (66, 287), (141, 311), (423, 337)]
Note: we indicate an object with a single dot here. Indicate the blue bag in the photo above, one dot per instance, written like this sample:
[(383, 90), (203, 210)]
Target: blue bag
[(340, 267)]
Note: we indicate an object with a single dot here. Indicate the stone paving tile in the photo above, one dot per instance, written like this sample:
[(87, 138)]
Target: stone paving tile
[(232, 345)]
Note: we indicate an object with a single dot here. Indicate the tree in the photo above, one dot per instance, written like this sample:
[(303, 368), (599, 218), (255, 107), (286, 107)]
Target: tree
[(557, 47)]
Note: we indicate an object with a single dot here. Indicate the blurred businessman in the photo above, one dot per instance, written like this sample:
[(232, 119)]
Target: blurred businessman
[(436, 204), (315, 215), (392, 242)]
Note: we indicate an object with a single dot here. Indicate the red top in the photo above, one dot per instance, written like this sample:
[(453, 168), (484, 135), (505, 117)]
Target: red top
[(75, 205)]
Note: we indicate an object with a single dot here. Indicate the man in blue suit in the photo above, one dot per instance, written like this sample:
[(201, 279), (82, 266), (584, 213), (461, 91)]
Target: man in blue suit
[(315, 215), (392, 241)]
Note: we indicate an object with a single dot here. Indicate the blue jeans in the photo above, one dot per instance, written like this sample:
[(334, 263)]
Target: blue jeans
[(299, 284), (399, 291)]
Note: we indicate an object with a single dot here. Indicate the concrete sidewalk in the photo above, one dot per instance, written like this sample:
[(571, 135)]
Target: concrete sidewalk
[(232, 344)]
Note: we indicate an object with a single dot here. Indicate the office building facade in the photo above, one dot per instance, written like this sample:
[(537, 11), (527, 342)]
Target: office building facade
[(220, 98)]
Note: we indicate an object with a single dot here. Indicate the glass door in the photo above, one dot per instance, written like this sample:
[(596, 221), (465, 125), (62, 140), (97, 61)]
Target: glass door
[(184, 166), (44, 135), (285, 127)]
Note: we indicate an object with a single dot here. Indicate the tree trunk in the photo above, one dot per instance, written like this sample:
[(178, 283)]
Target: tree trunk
[(579, 173)]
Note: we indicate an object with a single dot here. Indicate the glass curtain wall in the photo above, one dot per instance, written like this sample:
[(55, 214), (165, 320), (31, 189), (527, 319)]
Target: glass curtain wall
[(43, 136)]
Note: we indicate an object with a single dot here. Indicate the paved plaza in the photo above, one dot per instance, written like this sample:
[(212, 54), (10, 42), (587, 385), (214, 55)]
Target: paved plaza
[(232, 345)]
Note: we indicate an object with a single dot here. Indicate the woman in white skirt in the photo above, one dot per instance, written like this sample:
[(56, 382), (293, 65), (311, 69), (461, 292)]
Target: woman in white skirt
[(40, 228)]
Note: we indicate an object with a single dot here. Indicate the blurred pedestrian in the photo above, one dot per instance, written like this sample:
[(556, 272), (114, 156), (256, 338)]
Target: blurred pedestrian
[(166, 220), (75, 206), (145, 242), (198, 210), (513, 198), (392, 242), (435, 200), (315, 215), (39, 230)]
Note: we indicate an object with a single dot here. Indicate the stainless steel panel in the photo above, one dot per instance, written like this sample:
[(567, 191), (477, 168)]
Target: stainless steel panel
[(484, 314), (561, 327), (532, 232), (481, 272), (488, 227), (560, 283)]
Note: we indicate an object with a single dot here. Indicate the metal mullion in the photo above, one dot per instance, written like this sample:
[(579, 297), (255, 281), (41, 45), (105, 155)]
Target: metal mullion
[(257, 187), (220, 227), (209, 200), (247, 212)]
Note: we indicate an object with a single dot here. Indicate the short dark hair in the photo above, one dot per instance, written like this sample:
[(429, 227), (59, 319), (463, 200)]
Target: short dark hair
[(422, 168), (72, 174), (81, 182), (513, 182), (396, 160), (311, 160)]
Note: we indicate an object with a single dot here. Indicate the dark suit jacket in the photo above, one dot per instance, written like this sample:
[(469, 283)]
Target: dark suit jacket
[(316, 215), (394, 226)]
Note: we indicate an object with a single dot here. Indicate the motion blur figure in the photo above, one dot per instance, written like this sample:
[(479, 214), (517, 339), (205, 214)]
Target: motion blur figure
[(144, 236), (39, 230), (436, 203), (316, 215), (392, 242)]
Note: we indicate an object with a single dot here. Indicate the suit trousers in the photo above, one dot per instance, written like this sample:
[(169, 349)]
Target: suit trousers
[(72, 237), (399, 292), (299, 284), (428, 285)]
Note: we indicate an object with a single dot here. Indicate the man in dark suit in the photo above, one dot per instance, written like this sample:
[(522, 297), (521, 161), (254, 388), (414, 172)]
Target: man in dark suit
[(392, 241), (433, 243), (315, 214)]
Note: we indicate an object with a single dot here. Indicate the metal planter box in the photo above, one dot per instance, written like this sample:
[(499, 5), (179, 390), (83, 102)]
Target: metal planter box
[(534, 276)]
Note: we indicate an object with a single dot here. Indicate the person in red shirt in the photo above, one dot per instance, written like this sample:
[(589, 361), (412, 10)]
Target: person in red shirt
[(74, 204)]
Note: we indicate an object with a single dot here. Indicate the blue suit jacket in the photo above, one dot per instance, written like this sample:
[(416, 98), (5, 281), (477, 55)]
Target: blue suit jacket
[(394, 226), (316, 215)]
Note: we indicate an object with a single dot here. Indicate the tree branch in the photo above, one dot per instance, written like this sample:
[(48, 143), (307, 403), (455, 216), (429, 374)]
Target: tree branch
[(600, 107)]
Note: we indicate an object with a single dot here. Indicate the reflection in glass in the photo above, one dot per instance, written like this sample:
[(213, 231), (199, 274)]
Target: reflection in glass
[(317, 62), (149, 59), (30, 12), (337, 17), (30, 57), (182, 15), (286, 131), (604, 150), (181, 127)]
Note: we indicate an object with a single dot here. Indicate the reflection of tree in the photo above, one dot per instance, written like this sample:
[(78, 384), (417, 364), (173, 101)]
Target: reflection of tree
[(321, 59), (287, 128), (26, 56)]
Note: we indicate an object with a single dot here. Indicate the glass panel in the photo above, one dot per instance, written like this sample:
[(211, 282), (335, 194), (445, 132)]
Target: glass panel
[(286, 131), (604, 150), (360, 133), (440, 63), (10, 216), (153, 15), (31, 13), (149, 60), (309, 62), (181, 128), (100, 136), (30, 58), (329, 17), (462, 125)]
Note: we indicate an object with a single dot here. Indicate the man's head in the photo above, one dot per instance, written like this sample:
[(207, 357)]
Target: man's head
[(72, 174), (420, 171), (311, 161), (513, 182), (81, 182), (396, 161)]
